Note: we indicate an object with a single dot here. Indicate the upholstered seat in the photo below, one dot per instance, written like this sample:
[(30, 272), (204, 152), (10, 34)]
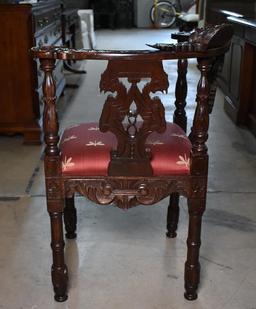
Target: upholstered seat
[(85, 151)]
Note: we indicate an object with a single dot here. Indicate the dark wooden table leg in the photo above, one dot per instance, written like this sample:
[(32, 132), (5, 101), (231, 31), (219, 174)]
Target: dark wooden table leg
[(173, 215), (70, 218)]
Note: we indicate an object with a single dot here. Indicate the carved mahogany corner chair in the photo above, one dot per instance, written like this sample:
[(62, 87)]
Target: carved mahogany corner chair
[(133, 157)]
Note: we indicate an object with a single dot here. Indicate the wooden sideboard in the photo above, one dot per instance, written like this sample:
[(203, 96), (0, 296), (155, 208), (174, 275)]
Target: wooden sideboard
[(238, 76), (24, 26)]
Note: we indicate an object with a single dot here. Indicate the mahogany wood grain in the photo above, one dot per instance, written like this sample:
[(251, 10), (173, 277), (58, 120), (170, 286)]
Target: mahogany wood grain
[(19, 112)]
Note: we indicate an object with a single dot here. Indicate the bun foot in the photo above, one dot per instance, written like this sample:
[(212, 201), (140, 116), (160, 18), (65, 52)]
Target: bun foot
[(171, 234), (70, 235), (61, 298), (190, 296)]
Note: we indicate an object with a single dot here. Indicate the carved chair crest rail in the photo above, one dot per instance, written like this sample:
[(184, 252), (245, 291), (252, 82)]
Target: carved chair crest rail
[(133, 155), (167, 51)]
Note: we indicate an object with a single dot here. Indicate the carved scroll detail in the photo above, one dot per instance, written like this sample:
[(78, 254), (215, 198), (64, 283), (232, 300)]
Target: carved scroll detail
[(200, 40), (211, 36), (126, 193)]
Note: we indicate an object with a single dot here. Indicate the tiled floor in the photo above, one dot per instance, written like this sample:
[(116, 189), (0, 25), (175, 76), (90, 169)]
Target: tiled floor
[(120, 259)]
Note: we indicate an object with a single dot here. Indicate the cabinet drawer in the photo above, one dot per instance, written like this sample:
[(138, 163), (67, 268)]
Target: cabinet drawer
[(50, 36)]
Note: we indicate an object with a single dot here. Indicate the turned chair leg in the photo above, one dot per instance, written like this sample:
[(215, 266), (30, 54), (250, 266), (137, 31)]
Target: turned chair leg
[(192, 265), (70, 218), (59, 268), (173, 213)]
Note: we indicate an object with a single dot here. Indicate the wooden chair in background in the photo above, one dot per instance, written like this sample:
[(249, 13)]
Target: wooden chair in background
[(132, 156)]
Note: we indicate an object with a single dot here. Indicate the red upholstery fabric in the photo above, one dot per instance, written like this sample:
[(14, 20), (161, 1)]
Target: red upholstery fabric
[(85, 151)]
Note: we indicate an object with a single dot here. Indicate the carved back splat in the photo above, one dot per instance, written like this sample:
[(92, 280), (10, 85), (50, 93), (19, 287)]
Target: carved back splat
[(132, 157)]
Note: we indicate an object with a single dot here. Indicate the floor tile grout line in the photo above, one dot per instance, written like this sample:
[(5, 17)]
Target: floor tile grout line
[(34, 174)]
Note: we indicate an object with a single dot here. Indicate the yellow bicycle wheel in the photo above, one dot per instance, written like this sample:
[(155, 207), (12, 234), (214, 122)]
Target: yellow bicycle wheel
[(163, 14)]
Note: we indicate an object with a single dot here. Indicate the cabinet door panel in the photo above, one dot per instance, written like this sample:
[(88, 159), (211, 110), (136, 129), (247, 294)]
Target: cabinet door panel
[(224, 77), (236, 58)]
